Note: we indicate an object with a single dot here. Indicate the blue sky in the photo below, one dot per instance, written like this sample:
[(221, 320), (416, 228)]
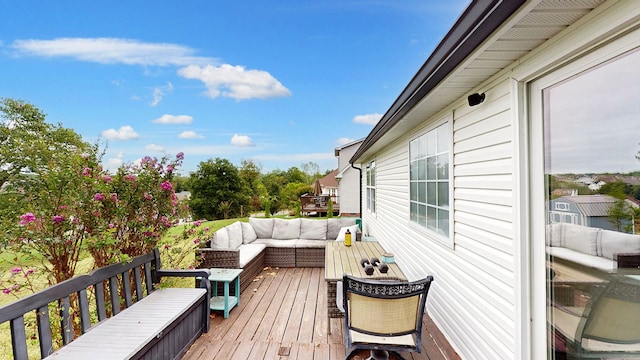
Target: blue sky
[(281, 83)]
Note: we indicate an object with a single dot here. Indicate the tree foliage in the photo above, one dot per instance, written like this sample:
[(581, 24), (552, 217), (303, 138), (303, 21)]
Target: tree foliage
[(216, 190)]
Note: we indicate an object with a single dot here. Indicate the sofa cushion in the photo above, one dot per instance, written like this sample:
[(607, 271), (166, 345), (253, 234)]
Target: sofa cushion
[(277, 243), (262, 227), (353, 229), (334, 225), (220, 239), (235, 235), (313, 229), (581, 238), (248, 234), (614, 242), (248, 252), (286, 229), (554, 235), (597, 262)]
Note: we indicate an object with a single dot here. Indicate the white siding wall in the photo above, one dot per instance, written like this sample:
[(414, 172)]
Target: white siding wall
[(472, 298), (349, 184)]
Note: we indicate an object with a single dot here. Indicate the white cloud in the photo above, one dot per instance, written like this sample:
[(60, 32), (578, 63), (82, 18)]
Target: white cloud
[(112, 51), (241, 140), (190, 134), (369, 119), (124, 133), (296, 157), (154, 147), (343, 140), (114, 163), (235, 82), (158, 93), (173, 119)]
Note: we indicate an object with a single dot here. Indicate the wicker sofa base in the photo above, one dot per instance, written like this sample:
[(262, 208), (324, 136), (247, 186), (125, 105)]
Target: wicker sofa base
[(309, 257), (280, 257)]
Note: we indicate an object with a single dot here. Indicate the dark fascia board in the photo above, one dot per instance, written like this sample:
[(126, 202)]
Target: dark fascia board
[(478, 21)]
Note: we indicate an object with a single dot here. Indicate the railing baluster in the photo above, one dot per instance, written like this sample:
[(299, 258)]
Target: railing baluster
[(83, 304), (138, 279), (126, 285), (100, 304), (44, 331), (148, 280), (115, 300), (65, 320), (19, 339)]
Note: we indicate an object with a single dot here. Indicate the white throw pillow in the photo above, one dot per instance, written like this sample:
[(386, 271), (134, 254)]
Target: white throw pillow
[(248, 234), (263, 227), (220, 239), (235, 235), (352, 229)]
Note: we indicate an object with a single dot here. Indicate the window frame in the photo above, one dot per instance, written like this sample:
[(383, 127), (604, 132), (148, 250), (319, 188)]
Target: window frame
[(370, 186), (445, 123)]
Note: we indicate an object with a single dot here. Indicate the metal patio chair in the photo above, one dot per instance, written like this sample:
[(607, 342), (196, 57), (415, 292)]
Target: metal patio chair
[(383, 316)]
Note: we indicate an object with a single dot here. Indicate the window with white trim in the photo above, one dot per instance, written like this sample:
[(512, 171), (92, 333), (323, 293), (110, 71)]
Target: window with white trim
[(371, 187), (429, 179)]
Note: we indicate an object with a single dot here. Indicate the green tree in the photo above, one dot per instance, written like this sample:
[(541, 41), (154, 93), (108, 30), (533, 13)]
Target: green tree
[(620, 216), (250, 173), (212, 183)]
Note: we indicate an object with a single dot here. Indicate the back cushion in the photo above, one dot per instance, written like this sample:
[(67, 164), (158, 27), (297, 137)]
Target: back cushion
[(313, 229), (334, 225), (554, 235), (263, 227), (235, 235), (286, 229), (614, 242), (581, 238), (248, 234), (220, 239)]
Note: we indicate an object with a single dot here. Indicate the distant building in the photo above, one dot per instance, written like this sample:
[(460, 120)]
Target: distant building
[(585, 210), (348, 179)]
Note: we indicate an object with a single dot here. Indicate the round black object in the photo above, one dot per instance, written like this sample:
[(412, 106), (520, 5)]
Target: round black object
[(375, 261), (364, 262), (383, 267), (368, 269)]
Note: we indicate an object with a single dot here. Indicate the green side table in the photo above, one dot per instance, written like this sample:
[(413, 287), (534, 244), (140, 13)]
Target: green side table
[(225, 302)]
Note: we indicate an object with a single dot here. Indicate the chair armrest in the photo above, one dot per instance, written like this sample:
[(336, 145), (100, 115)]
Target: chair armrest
[(220, 258)]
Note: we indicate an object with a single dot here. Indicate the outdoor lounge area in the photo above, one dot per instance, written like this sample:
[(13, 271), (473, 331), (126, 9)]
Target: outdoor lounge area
[(283, 315)]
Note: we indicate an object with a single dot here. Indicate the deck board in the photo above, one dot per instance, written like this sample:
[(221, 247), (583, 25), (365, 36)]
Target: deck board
[(283, 316)]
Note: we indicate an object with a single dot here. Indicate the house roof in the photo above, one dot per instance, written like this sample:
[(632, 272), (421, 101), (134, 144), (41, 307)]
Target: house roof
[(489, 36), (329, 180), (349, 144), (591, 205)]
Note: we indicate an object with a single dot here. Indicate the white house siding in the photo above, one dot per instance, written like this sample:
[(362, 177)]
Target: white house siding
[(349, 184), (472, 298)]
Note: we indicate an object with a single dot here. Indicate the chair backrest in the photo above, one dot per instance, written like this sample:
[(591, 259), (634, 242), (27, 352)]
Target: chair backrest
[(379, 307)]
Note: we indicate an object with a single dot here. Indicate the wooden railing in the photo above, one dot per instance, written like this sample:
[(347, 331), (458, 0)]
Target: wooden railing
[(111, 289)]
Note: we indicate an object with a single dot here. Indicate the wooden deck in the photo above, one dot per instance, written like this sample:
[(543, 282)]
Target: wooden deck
[(283, 315)]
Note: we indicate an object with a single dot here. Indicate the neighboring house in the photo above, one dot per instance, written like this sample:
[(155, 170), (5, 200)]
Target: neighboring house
[(456, 187), (585, 210), (329, 185), (348, 179)]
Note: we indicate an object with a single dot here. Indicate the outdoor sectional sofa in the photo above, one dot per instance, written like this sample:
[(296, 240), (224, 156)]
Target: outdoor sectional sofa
[(605, 250), (273, 242)]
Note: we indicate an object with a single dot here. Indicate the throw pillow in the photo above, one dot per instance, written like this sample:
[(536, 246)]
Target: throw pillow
[(263, 227), (220, 239), (286, 229), (235, 235), (248, 233)]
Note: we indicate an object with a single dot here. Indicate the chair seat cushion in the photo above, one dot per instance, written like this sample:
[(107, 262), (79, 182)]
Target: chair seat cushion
[(360, 338), (277, 243), (310, 244)]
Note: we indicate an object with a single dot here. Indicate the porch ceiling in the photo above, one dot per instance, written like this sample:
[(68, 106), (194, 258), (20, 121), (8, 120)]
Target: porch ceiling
[(533, 24)]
